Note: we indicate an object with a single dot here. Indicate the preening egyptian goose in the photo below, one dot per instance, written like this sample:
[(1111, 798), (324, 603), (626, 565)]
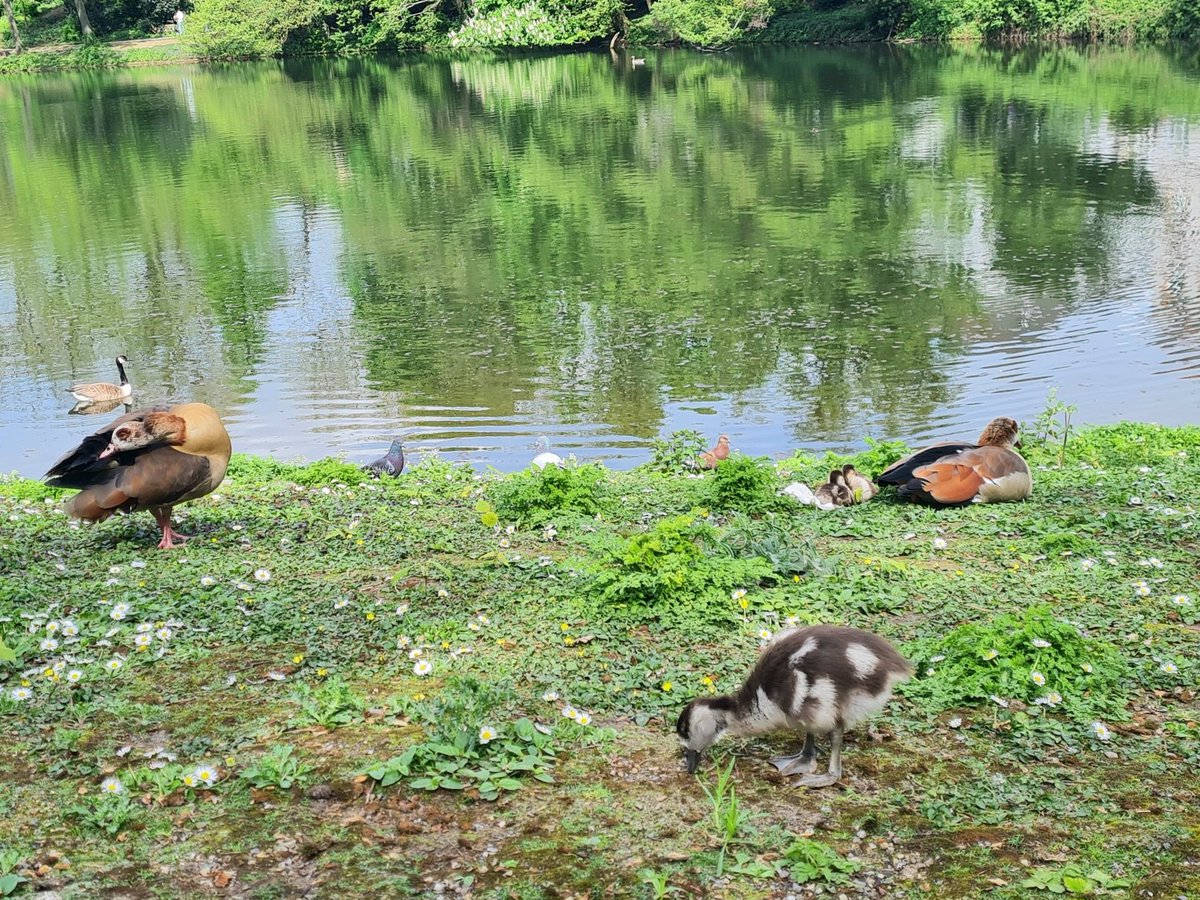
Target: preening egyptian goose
[(103, 391), (819, 680), (391, 463), (709, 458), (149, 459), (951, 474)]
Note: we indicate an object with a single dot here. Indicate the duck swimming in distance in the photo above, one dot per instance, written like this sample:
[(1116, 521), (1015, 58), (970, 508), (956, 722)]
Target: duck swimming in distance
[(818, 680), (104, 391)]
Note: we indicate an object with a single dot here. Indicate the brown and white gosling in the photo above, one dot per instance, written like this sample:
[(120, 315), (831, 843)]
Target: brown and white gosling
[(818, 680)]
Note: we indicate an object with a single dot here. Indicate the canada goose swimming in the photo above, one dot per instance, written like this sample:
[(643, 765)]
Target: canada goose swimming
[(822, 679), (955, 474), (835, 492), (709, 458), (102, 391), (391, 463), (861, 488), (545, 457), (149, 459)]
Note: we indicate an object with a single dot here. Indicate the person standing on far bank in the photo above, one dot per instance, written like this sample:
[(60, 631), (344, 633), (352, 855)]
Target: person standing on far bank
[(179, 17)]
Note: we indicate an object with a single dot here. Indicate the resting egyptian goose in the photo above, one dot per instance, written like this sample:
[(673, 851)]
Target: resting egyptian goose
[(149, 459), (103, 391), (955, 474), (709, 458), (391, 463), (819, 680)]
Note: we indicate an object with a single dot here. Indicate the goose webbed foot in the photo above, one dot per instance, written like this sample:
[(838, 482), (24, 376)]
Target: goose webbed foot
[(162, 515), (800, 763), (835, 765), (172, 538)]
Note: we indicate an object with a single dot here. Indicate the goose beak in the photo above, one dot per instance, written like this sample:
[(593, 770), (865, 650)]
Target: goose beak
[(1018, 444), (692, 758)]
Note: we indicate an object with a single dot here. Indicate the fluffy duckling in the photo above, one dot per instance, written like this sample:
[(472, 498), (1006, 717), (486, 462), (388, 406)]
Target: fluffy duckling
[(709, 458), (861, 488), (955, 474), (103, 391), (150, 459), (835, 492), (819, 680), (391, 463)]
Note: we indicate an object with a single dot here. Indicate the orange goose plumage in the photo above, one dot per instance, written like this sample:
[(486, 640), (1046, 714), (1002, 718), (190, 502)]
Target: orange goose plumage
[(955, 474)]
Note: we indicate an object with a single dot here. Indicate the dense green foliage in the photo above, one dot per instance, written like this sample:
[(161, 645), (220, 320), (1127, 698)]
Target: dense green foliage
[(253, 28)]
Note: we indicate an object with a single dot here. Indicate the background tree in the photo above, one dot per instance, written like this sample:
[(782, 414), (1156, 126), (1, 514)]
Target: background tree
[(85, 24), (12, 25)]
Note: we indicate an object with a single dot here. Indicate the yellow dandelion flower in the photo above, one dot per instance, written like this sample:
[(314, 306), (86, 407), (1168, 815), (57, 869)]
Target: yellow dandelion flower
[(666, 686)]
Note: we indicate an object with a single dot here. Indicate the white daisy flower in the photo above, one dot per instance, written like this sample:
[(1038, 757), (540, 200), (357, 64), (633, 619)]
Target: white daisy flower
[(1100, 730), (939, 543), (486, 734), (112, 785), (207, 581), (1040, 643), (550, 696), (20, 694), (1037, 678), (262, 574), (74, 676), (422, 667)]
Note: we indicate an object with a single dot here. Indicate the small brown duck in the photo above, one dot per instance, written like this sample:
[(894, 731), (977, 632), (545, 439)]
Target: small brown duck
[(709, 458), (956, 474), (150, 459), (819, 680)]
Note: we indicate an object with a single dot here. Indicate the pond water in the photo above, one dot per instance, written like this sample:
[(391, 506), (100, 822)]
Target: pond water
[(797, 247)]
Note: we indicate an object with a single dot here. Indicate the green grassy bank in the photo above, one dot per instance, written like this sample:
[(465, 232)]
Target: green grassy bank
[(341, 686)]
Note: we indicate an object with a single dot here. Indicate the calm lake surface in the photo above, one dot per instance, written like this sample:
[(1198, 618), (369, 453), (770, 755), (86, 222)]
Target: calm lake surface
[(798, 247)]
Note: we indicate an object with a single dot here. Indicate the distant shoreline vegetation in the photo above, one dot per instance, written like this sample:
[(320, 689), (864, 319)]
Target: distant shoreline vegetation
[(255, 29)]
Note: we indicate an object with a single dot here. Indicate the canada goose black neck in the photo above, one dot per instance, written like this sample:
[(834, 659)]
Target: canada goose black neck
[(121, 360)]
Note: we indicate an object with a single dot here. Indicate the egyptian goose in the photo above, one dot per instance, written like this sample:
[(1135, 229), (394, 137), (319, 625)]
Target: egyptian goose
[(391, 463), (822, 679), (861, 489), (149, 459), (955, 474), (103, 391), (834, 492), (709, 458)]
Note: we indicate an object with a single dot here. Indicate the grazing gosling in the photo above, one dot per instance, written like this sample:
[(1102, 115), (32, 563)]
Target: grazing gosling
[(818, 680)]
